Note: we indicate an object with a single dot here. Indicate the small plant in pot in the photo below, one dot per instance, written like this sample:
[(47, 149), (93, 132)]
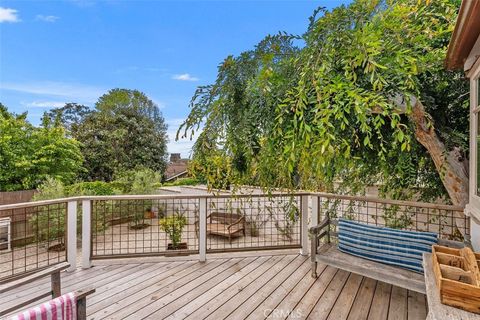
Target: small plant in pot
[(174, 226)]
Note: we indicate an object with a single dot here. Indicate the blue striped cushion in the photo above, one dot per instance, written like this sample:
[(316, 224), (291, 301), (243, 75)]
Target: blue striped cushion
[(400, 248)]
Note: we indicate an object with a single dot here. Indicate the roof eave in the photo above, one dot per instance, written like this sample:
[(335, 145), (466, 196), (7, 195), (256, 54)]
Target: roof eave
[(465, 34)]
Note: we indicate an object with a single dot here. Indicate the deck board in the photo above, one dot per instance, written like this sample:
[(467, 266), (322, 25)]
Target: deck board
[(381, 302), (346, 298), (235, 287), (325, 304)]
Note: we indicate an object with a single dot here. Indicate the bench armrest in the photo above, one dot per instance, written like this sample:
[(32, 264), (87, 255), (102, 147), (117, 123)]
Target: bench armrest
[(242, 219), (197, 222), (81, 296), (319, 227), (317, 233)]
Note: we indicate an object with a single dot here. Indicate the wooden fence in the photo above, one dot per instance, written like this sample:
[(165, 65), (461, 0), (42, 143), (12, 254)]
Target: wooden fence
[(11, 197)]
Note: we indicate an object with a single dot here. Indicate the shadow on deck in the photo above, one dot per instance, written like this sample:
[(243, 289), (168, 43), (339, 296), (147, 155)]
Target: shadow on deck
[(250, 285)]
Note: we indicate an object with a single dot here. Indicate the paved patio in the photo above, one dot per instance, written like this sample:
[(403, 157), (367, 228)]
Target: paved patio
[(253, 285)]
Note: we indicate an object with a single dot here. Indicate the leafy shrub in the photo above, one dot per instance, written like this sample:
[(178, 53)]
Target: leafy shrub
[(138, 181), (95, 188), (183, 182), (50, 189), (144, 182), (48, 223), (173, 226)]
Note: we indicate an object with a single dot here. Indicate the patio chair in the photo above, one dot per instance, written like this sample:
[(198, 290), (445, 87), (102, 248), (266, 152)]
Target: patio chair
[(223, 224)]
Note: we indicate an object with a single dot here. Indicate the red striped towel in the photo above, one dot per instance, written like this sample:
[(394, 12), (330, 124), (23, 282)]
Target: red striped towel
[(61, 308)]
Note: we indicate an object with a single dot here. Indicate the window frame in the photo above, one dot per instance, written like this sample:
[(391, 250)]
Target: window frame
[(474, 198)]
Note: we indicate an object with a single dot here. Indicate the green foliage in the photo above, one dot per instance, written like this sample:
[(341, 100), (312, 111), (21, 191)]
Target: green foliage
[(48, 223), (183, 182), (173, 226), (214, 168), (28, 154), (50, 189), (94, 188), (338, 108), (138, 181), (125, 131), (70, 116)]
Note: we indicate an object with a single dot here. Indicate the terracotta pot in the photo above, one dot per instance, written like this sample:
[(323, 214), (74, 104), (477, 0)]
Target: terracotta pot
[(149, 214)]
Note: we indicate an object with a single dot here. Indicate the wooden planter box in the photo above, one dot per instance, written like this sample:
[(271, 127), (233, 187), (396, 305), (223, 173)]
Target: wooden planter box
[(458, 277), (121, 220), (179, 251)]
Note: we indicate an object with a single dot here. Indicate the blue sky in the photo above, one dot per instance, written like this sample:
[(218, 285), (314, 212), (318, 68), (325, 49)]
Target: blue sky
[(52, 52)]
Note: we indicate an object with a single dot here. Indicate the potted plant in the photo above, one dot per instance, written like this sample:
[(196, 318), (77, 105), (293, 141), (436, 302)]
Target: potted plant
[(253, 228), (255, 221), (174, 226)]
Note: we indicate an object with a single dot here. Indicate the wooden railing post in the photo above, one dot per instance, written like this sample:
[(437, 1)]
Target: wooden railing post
[(202, 234), (71, 236), (56, 284), (304, 225), (314, 216), (86, 233)]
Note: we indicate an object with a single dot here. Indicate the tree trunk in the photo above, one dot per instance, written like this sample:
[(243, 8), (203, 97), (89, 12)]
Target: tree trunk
[(451, 164)]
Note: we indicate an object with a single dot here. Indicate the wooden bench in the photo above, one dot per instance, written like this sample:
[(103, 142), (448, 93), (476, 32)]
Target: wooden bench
[(328, 253), (225, 224), (55, 291)]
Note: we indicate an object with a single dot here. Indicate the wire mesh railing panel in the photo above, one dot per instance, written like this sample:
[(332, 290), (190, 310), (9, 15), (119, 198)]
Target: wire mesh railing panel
[(448, 222), (32, 238), (253, 223), (129, 227)]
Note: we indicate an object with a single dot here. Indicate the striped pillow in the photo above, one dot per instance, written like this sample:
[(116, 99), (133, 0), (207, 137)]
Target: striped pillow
[(400, 248)]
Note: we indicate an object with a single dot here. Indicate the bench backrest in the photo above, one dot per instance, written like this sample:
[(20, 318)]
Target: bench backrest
[(225, 218), (443, 242)]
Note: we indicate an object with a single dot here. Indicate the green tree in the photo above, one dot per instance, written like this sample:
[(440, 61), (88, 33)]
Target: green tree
[(71, 115), (365, 100), (237, 114), (125, 131), (29, 154)]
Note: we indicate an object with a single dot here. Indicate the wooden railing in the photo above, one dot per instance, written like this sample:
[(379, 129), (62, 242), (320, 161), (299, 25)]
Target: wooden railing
[(145, 225), (448, 221), (32, 236), (126, 226)]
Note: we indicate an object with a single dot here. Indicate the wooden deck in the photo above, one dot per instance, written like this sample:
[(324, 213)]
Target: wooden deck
[(266, 285)]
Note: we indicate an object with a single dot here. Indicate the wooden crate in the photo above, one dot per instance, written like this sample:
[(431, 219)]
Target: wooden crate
[(458, 277)]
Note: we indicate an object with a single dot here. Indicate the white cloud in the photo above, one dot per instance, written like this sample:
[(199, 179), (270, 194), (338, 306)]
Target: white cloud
[(8, 15), (43, 104), (184, 77), (41, 17), (74, 92)]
